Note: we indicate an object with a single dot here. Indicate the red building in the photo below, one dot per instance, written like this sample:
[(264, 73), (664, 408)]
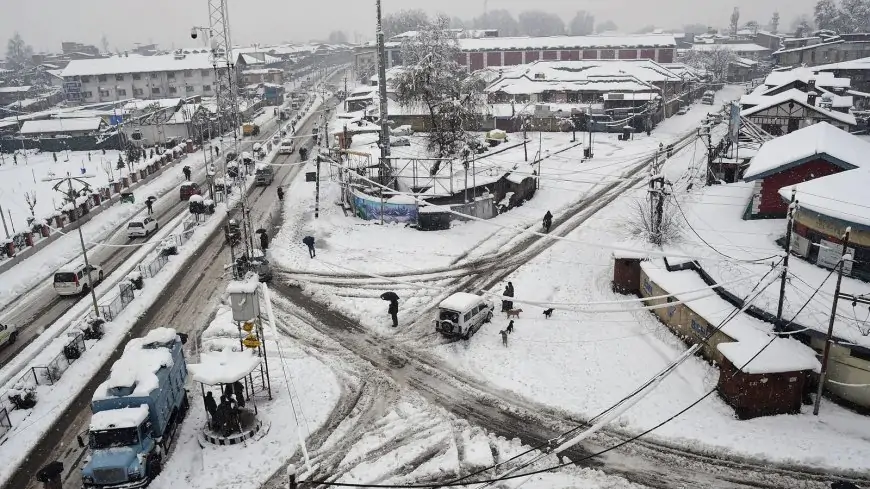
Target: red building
[(488, 52), (806, 154)]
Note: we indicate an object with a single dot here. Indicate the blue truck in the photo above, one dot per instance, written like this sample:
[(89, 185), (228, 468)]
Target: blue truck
[(136, 412)]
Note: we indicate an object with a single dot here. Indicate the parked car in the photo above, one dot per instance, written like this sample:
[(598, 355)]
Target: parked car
[(287, 147), (462, 314), (8, 334), (399, 141), (74, 279), (141, 228), (683, 110)]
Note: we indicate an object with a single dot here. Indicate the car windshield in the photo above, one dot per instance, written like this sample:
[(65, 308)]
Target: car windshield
[(63, 277), (135, 225), (119, 437)]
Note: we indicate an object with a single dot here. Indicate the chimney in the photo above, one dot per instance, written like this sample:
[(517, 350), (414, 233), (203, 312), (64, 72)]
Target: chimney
[(811, 97)]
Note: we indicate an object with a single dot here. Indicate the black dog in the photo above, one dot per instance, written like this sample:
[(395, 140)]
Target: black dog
[(548, 313)]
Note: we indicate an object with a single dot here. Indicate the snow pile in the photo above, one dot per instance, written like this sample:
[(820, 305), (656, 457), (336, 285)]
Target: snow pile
[(130, 417), (780, 355), (137, 369), (159, 336), (223, 367)]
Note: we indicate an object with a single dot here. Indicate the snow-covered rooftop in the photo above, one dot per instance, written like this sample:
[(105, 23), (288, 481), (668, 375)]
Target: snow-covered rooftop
[(567, 42), (460, 302), (737, 48), (134, 63), (855, 64), (804, 74), (223, 367), (793, 149), (759, 357), (57, 125), (842, 195), (799, 97), (130, 417), (21, 89)]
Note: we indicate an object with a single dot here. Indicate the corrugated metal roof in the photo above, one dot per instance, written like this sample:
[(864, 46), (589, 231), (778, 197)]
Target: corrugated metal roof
[(57, 125), (137, 64)]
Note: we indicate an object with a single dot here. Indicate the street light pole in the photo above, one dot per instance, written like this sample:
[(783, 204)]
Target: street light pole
[(71, 196)]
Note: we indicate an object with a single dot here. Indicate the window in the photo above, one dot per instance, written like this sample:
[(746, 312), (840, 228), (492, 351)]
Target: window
[(101, 78), (155, 76), (155, 90), (122, 92), (137, 91), (189, 89), (87, 94), (188, 73), (170, 75), (104, 92), (119, 77), (206, 88), (86, 79), (204, 73), (173, 90), (137, 76), (467, 317)]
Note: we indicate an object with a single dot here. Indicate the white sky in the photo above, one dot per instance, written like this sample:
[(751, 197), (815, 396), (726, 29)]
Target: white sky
[(45, 23)]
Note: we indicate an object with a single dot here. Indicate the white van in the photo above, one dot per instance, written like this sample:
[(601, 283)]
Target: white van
[(462, 314), (73, 279)]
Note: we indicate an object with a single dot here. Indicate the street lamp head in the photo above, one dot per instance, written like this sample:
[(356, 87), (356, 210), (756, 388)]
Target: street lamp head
[(193, 33)]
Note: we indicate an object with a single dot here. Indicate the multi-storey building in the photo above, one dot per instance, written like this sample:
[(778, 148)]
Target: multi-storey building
[(141, 77)]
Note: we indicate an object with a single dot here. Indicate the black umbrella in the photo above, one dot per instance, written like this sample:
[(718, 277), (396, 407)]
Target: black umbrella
[(261, 231), (390, 296)]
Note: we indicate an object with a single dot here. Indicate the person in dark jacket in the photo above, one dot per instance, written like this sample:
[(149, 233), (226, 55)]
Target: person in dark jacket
[(239, 389), (548, 221), (210, 405), (309, 242), (149, 204), (394, 310), (186, 171), (264, 241), (281, 194)]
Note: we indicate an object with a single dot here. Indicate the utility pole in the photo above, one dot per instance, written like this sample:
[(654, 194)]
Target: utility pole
[(790, 224), (525, 139), (2, 216), (382, 94), (317, 190), (827, 350), (71, 195)]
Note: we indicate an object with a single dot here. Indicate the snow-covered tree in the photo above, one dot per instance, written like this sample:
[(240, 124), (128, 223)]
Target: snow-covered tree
[(802, 25), (854, 15), (735, 20), (537, 23), (104, 41), (403, 21), (752, 26), (715, 61), (582, 24), (827, 15), (434, 81), (18, 53), (606, 26), (774, 23), (337, 37), (30, 198)]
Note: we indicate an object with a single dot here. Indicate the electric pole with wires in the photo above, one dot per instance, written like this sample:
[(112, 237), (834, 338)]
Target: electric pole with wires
[(784, 278), (841, 265)]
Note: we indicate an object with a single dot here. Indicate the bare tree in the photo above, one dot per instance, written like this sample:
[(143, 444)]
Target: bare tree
[(432, 79), (499, 19), (30, 198), (606, 26), (540, 23), (641, 222), (403, 21), (104, 41), (337, 37), (715, 61), (18, 53), (582, 24), (735, 20)]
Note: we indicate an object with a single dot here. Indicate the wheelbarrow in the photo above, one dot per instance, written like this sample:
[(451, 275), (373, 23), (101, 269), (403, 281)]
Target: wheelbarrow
[(128, 197)]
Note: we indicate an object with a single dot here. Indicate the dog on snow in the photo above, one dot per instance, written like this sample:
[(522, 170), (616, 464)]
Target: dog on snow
[(515, 313), (548, 313)]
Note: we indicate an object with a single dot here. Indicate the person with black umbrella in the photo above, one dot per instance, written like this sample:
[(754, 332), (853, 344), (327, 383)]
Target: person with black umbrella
[(264, 241), (393, 310)]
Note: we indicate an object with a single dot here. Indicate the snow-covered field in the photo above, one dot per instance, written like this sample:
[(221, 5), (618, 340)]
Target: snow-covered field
[(27, 177)]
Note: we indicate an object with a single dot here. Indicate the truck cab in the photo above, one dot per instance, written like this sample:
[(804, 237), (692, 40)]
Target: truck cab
[(263, 174), (137, 411), (708, 97)]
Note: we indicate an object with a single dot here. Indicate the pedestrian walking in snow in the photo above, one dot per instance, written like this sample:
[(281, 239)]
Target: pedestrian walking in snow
[(186, 171), (394, 311), (309, 242), (210, 405), (281, 194), (264, 241), (503, 337), (510, 328), (149, 204), (548, 221), (506, 304)]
